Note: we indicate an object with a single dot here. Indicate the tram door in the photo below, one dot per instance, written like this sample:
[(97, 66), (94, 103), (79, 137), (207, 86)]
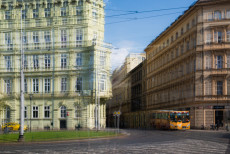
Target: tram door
[(219, 117)]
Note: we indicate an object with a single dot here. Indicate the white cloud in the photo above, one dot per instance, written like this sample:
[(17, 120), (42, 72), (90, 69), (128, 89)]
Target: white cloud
[(118, 56), (121, 50)]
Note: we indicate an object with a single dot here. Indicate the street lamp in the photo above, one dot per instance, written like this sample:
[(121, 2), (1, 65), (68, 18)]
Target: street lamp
[(31, 95)]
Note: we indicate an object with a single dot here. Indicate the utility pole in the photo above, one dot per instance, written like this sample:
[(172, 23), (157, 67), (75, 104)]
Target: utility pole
[(21, 135)]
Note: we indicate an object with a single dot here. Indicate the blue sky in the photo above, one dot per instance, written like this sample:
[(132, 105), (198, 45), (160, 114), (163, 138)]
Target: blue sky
[(136, 34)]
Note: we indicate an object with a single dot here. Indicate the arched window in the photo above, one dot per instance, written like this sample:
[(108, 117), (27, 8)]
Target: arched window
[(63, 112), (217, 15)]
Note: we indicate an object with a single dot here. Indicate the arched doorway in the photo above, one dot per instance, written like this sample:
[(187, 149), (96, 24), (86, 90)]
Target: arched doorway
[(63, 115)]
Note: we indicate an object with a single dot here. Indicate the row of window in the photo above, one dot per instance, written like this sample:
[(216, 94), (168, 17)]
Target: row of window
[(45, 60), (46, 110), (219, 61), (218, 15), (45, 36), (47, 12), (217, 36), (173, 38), (172, 54), (8, 83), (172, 94)]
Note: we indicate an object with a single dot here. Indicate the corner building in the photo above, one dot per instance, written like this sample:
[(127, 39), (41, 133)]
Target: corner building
[(66, 63), (188, 65)]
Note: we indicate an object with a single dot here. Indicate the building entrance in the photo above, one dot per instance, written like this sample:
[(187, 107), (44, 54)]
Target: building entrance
[(219, 117), (63, 124)]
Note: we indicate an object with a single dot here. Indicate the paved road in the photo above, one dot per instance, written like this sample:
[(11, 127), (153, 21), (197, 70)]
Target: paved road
[(137, 142)]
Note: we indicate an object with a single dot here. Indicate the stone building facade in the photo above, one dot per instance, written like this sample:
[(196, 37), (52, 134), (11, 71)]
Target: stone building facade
[(66, 62), (188, 65)]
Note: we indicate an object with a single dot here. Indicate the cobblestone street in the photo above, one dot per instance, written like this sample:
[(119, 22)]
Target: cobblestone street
[(136, 141)]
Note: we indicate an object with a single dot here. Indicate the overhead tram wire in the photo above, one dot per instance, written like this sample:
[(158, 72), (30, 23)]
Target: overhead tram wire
[(132, 19), (148, 11)]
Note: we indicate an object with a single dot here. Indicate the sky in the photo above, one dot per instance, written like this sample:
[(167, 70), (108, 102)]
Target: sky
[(130, 25)]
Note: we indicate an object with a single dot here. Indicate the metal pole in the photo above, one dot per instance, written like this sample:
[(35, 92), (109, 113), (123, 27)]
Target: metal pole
[(53, 70), (21, 137), (96, 107), (98, 103), (30, 111)]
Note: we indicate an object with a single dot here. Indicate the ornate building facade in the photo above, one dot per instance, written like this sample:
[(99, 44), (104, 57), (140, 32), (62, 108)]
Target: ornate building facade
[(66, 63), (188, 65)]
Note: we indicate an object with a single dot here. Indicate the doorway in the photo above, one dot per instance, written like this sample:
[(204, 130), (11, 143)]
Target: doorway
[(63, 124), (219, 117)]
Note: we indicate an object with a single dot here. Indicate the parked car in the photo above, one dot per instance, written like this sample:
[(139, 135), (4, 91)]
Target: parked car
[(12, 126)]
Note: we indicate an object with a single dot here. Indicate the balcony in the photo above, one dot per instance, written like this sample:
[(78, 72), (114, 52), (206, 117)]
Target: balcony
[(218, 72)]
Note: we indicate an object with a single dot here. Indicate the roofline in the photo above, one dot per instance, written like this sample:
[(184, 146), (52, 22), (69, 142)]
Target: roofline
[(181, 17)]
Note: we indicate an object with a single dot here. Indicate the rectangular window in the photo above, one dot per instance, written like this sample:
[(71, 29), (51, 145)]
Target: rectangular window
[(218, 37), (79, 37), (47, 37), (47, 111), (219, 62), (182, 31), (79, 11), (7, 15), (77, 111), (219, 88), (8, 41), (25, 112), (36, 40), (25, 86), (63, 11), (182, 49), (176, 35), (188, 45), (35, 111), (94, 14), (36, 61), (210, 17), (188, 27), (208, 62), (103, 83), (8, 62), (209, 37), (228, 14), (35, 13), (47, 85), (25, 62), (102, 58), (64, 21), (35, 86), (63, 61), (63, 38), (228, 62), (47, 61), (79, 84), (228, 36), (79, 59), (8, 84), (25, 40), (47, 12), (24, 14), (63, 84)]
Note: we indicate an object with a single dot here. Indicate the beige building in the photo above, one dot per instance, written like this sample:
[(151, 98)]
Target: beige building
[(188, 64), (124, 81), (66, 62)]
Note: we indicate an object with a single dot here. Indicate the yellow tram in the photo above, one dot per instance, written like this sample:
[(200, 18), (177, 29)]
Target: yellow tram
[(168, 119)]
